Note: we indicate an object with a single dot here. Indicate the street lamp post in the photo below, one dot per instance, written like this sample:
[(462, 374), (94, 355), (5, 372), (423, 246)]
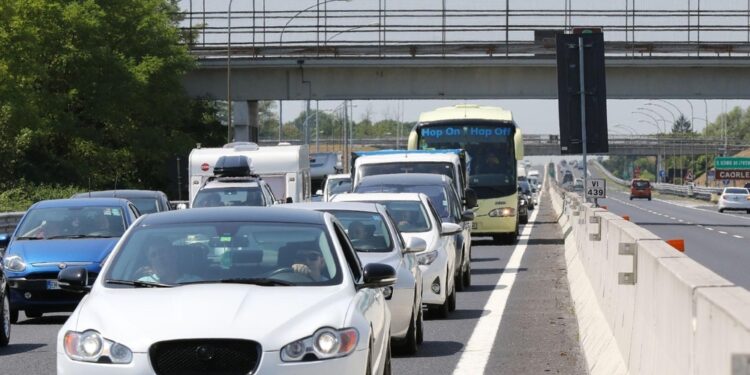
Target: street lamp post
[(229, 72), (318, 4), (372, 24)]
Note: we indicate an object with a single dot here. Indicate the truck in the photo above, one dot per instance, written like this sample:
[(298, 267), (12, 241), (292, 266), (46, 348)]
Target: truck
[(285, 168)]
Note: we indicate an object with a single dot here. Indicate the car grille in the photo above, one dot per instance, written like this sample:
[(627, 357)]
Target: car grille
[(205, 356)]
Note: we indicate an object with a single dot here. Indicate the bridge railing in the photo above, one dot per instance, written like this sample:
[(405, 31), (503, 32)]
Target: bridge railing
[(335, 28)]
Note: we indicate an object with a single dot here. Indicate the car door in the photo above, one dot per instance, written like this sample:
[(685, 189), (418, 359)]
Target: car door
[(368, 302)]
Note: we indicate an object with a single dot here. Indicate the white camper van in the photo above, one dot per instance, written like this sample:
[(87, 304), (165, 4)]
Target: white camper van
[(286, 169)]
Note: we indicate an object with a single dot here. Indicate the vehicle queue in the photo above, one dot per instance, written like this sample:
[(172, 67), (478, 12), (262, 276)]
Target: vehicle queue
[(328, 287)]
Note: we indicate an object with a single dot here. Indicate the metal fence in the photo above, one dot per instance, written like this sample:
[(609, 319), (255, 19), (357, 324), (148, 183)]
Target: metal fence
[(338, 28)]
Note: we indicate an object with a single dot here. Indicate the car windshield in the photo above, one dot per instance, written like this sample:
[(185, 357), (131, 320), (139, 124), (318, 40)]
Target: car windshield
[(436, 193), (229, 196), (409, 216), (225, 252), (641, 184), (339, 185), (72, 222), (367, 231), (736, 191), (445, 169), (145, 205)]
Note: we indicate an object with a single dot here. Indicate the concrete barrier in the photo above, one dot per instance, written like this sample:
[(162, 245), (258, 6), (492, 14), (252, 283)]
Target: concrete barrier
[(654, 312), (9, 220)]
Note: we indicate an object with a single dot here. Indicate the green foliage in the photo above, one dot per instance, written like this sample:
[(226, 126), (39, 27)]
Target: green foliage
[(90, 93), (682, 125), (737, 124), (20, 196)]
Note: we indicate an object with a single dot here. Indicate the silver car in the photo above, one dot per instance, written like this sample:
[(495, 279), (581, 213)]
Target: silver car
[(377, 240)]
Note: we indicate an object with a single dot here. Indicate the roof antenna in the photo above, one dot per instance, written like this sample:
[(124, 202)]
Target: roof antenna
[(116, 177), (89, 187)]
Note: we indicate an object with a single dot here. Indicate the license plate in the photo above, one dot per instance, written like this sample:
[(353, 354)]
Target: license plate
[(53, 285), (474, 225)]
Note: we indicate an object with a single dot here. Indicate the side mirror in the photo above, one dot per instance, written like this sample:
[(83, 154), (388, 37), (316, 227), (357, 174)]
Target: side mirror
[(467, 215), (415, 245), (4, 240), (74, 279), (182, 206), (289, 200), (470, 198), (378, 275), (448, 229)]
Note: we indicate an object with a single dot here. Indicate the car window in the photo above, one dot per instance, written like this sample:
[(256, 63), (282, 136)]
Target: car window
[(134, 213), (367, 231), (338, 186), (229, 196), (641, 184), (436, 193), (300, 254), (349, 254), (70, 222), (736, 191), (409, 216), (145, 205)]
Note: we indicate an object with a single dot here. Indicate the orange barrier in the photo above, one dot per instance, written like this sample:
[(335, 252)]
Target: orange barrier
[(678, 244), (626, 217)]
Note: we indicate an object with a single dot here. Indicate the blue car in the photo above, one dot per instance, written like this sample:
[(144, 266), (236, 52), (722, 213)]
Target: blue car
[(56, 234)]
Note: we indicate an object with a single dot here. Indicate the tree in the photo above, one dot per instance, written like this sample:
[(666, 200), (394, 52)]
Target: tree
[(91, 92), (682, 125)]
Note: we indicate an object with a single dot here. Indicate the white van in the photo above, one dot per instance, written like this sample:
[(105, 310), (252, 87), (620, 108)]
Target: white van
[(451, 163), (286, 169)]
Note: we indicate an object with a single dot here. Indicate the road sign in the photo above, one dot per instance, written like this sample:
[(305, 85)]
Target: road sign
[(662, 173), (726, 182), (711, 175), (596, 188), (734, 174), (732, 163)]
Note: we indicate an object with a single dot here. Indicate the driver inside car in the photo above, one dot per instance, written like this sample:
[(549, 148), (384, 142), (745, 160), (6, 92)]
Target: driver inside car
[(309, 263)]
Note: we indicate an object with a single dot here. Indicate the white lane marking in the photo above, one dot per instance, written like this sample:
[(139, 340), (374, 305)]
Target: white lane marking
[(707, 228), (700, 225), (681, 221), (736, 236), (722, 232), (477, 351), (673, 218)]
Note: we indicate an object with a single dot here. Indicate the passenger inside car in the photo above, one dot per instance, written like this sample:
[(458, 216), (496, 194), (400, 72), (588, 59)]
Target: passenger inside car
[(167, 264)]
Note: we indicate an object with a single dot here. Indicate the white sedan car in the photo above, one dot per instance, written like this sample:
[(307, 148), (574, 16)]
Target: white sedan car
[(737, 199), (230, 290), (377, 240), (415, 217)]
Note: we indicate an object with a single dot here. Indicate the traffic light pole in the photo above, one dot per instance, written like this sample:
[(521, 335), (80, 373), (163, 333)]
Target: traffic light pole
[(582, 86)]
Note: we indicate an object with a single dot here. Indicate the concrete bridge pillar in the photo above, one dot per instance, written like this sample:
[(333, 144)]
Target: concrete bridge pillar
[(245, 121)]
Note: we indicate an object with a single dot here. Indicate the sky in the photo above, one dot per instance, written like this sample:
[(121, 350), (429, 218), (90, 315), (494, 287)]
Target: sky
[(534, 116)]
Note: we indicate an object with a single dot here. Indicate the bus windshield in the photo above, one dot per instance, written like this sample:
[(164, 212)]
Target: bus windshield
[(492, 172)]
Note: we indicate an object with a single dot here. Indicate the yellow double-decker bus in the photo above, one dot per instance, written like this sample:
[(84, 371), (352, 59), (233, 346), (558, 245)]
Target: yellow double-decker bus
[(495, 145)]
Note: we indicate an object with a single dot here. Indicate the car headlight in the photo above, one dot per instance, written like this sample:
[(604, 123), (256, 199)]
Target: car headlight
[(14, 263), (425, 259), (90, 346), (503, 212), (325, 343)]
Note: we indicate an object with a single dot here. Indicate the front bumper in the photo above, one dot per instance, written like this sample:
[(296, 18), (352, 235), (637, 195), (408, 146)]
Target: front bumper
[(270, 363), (43, 295), (493, 225)]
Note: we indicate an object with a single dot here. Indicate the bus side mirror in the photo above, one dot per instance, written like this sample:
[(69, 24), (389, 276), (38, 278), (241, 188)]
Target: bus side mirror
[(470, 198)]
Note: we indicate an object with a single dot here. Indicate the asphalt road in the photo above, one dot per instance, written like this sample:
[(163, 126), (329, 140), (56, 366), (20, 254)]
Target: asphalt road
[(718, 241), (528, 327)]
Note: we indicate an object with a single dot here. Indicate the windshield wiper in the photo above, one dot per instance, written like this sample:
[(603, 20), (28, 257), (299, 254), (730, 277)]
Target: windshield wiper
[(29, 238), (74, 236), (262, 281), (138, 284)]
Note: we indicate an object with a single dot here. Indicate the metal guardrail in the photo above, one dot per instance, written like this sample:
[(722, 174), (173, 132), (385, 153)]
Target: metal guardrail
[(337, 28)]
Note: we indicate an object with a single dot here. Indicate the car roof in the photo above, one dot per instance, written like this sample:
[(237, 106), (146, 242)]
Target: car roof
[(334, 206), (405, 179), (228, 184), (235, 214), (127, 193), (75, 202), (359, 197)]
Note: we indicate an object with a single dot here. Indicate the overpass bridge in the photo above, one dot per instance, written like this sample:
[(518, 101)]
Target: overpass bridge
[(549, 144), (339, 50)]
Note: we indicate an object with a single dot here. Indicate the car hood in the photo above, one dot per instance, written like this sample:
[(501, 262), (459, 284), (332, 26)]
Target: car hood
[(390, 258), (272, 316), (64, 250)]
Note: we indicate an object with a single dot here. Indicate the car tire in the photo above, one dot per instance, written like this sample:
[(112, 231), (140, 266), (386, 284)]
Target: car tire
[(5, 322), (13, 316), (524, 219), (452, 299), (631, 197), (467, 274), (420, 327), (33, 314), (649, 197), (368, 370), (410, 343), (387, 363), (458, 280), (748, 211), (721, 210)]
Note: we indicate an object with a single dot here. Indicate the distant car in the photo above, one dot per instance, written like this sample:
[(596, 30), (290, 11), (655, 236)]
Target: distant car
[(234, 184), (567, 177), (578, 184), (146, 201), (525, 188), (337, 184), (377, 240), (734, 199), (640, 189), (4, 306), (747, 186), (57, 234), (231, 290), (523, 210)]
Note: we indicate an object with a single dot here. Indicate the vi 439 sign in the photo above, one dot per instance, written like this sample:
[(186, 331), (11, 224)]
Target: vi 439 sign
[(596, 188)]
